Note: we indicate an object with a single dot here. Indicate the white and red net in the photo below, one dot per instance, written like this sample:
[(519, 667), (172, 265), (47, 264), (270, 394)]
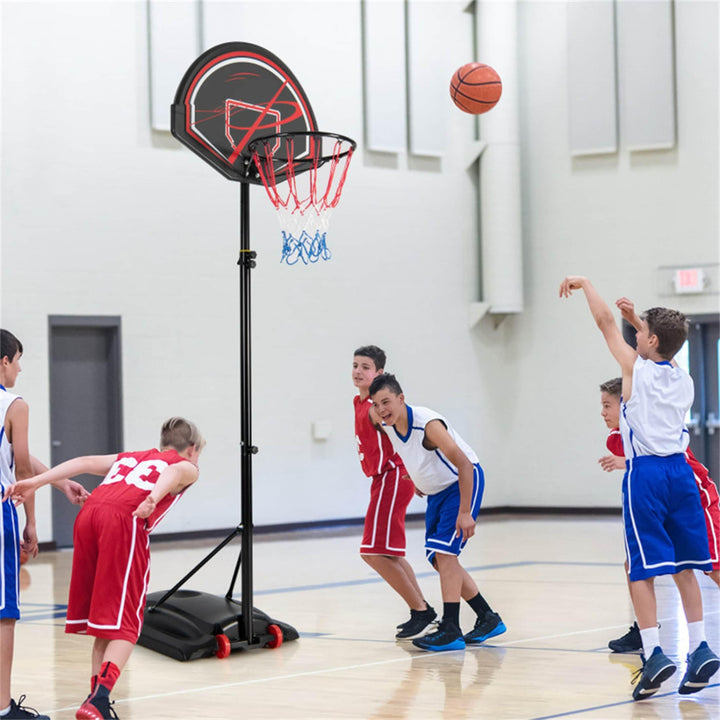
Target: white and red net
[(304, 175)]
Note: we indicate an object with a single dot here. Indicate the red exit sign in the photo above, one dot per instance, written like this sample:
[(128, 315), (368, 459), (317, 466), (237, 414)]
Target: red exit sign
[(689, 280)]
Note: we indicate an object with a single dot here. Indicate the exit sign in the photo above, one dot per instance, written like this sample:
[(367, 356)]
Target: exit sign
[(689, 280)]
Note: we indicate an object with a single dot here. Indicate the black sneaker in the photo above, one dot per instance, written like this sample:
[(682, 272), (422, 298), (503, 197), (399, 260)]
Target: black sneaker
[(17, 710), (448, 636), (418, 623), (486, 627), (654, 671), (97, 708), (701, 666), (630, 642)]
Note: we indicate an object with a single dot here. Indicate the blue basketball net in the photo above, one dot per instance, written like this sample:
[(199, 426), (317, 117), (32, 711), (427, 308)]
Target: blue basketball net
[(308, 248)]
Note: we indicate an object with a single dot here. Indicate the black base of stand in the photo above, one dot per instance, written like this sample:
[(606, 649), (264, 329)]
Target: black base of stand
[(186, 626)]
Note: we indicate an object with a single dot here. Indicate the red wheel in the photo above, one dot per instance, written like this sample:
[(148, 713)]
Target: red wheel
[(223, 646), (277, 640)]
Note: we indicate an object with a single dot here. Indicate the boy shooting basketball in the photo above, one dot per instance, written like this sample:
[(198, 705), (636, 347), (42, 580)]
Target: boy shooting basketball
[(391, 490), (443, 467), (16, 463), (112, 549), (664, 529)]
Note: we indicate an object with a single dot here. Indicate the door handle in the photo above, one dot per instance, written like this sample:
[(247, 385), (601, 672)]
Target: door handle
[(56, 443), (712, 423)]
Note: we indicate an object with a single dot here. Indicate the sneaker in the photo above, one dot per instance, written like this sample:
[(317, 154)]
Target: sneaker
[(701, 666), (448, 636), (486, 627), (18, 710), (630, 642), (419, 622), (654, 671), (428, 607), (97, 708)]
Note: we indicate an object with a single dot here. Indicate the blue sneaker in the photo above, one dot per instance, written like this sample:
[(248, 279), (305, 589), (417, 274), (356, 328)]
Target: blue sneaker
[(485, 628), (701, 666), (654, 671), (448, 636)]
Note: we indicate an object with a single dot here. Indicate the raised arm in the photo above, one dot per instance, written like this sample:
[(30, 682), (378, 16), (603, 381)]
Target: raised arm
[(627, 309), (173, 480), (602, 314), (438, 437)]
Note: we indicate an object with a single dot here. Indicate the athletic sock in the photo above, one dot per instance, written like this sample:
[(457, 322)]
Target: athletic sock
[(650, 640), (696, 635), (451, 611), (5, 711), (107, 677), (479, 605)]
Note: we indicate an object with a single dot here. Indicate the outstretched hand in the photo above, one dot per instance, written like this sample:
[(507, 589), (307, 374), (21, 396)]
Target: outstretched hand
[(612, 462), (20, 491), (570, 283)]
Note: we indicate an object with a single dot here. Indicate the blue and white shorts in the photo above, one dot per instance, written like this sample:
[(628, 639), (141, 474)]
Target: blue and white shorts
[(441, 517), (664, 524), (10, 570)]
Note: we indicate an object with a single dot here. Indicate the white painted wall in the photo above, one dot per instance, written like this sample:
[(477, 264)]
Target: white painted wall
[(100, 215)]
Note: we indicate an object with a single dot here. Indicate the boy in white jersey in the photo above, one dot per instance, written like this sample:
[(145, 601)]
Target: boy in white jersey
[(16, 463), (445, 468), (664, 526)]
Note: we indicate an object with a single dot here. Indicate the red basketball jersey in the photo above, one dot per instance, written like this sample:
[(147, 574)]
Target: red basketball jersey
[(614, 443), (132, 478), (374, 447)]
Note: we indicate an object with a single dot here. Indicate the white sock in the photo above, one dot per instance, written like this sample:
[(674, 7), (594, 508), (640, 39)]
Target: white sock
[(696, 634), (650, 640), (5, 711)]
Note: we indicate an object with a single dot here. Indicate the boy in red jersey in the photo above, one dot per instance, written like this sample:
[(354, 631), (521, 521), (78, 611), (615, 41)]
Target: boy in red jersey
[(112, 547), (383, 543), (610, 394)]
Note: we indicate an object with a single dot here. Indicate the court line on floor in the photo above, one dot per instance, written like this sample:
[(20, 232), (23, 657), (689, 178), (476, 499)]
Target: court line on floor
[(581, 711)]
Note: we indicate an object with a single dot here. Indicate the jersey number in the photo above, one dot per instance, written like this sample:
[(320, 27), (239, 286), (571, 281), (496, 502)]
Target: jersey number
[(142, 475)]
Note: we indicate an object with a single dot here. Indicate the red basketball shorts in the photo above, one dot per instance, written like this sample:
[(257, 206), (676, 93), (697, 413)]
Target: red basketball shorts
[(110, 571), (384, 532), (711, 511)]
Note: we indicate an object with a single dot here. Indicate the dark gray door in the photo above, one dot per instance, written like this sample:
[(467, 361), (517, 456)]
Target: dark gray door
[(704, 347), (85, 401)]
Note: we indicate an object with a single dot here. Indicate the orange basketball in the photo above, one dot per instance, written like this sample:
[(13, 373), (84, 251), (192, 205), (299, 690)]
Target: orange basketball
[(24, 557), (475, 88)]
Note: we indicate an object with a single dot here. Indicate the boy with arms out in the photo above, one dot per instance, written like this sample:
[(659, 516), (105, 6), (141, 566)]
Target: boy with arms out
[(383, 543), (112, 546), (664, 531), (16, 463), (445, 468)]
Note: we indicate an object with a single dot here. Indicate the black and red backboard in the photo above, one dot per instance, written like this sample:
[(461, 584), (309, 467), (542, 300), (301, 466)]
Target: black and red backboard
[(232, 94)]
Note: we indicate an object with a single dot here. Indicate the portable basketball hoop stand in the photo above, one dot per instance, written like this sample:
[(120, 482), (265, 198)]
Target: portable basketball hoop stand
[(261, 98)]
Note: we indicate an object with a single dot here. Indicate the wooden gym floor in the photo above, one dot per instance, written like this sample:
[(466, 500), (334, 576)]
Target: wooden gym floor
[(558, 584)]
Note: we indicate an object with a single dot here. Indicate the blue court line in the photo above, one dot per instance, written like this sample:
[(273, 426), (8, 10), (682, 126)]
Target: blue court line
[(609, 705)]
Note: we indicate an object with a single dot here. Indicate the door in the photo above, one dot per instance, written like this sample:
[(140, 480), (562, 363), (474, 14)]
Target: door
[(704, 366), (85, 401)]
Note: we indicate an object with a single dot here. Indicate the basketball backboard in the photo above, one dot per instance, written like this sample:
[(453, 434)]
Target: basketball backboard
[(231, 95)]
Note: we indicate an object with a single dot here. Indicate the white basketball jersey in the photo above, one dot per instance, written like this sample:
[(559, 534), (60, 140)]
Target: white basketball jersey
[(430, 470), (652, 422), (7, 464)]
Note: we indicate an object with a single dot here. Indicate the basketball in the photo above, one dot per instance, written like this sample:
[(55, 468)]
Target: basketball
[(475, 88), (24, 557)]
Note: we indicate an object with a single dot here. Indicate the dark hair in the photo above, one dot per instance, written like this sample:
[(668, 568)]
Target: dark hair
[(612, 387), (670, 327), (9, 345), (374, 353), (179, 434), (386, 380)]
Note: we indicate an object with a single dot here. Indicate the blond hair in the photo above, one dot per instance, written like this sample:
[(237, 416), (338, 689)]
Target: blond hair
[(180, 434)]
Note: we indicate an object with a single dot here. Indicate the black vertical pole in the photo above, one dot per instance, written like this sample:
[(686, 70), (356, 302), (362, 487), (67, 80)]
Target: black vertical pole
[(246, 263)]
